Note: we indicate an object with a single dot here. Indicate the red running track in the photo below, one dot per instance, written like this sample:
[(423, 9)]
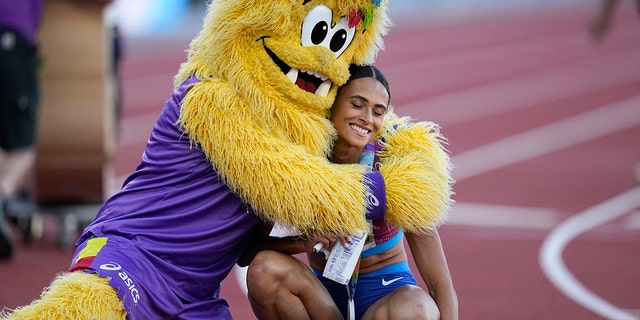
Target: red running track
[(543, 127)]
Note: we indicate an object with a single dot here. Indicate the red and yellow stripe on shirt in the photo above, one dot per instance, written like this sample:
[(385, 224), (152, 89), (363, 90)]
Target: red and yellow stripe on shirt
[(86, 256)]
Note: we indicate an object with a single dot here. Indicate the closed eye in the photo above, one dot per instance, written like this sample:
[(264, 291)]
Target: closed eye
[(380, 110)]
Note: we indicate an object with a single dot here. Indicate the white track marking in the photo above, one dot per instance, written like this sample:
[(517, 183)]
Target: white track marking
[(546, 86), (551, 252), (552, 137), (501, 216)]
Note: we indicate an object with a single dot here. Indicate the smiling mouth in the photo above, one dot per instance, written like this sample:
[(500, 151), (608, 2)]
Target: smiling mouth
[(358, 129), (310, 81)]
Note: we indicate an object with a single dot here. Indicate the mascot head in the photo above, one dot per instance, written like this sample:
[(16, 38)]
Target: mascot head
[(268, 72), (296, 52)]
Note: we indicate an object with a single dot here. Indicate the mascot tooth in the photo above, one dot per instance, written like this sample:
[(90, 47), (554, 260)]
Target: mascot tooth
[(244, 137)]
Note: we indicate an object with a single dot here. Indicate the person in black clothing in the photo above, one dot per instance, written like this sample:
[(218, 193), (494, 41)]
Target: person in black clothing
[(19, 101)]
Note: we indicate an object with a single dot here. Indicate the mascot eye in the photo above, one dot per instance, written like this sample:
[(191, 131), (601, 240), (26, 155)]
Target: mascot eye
[(342, 36), (316, 30), (315, 26), (338, 40), (319, 32)]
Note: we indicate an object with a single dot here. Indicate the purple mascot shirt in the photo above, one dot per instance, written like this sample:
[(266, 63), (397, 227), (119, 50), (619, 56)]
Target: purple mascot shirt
[(175, 230), (22, 16)]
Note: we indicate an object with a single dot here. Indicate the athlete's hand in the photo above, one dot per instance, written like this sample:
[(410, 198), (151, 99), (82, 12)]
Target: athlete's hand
[(324, 243)]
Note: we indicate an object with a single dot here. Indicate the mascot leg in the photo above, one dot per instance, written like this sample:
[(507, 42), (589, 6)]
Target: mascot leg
[(75, 295)]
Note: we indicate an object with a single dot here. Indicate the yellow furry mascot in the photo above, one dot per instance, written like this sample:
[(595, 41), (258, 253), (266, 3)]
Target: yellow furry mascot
[(244, 137)]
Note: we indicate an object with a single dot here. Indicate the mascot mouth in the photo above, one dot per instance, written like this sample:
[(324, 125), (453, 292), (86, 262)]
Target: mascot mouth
[(310, 81)]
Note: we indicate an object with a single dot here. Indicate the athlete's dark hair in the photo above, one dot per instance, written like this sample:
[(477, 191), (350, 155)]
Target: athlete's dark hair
[(367, 71)]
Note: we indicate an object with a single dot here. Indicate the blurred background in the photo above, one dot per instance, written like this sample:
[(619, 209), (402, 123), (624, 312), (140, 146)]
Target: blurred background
[(542, 115)]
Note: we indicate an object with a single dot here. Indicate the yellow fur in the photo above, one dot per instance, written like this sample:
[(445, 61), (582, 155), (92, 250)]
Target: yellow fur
[(417, 174), (74, 296), (281, 175), (267, 138)]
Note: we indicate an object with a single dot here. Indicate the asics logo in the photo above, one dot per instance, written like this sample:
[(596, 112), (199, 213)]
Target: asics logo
[(110, 266), (386, 283), (128, 281), (372, 199)]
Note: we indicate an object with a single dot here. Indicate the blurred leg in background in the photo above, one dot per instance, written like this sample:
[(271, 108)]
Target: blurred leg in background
[(602, 22), (19, 102)]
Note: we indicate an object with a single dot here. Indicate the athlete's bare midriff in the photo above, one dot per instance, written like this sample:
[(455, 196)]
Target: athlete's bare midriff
[(369, 264)]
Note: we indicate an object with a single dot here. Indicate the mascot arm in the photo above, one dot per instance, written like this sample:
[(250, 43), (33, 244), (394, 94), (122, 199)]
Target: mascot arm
[(282, 181), (417, 173)]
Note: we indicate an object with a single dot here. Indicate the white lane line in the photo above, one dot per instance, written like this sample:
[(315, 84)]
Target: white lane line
[(551, 252), (547, 86), (552, 137), (484, 215)]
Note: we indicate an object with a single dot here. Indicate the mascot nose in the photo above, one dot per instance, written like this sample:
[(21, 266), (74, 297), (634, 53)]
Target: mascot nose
[(325, 56)]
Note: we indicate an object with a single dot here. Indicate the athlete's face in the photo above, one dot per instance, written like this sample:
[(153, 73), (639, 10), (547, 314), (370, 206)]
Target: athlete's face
[(358, 111)]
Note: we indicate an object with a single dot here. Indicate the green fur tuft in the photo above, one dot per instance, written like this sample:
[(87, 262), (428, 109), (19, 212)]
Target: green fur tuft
[(368, 12)]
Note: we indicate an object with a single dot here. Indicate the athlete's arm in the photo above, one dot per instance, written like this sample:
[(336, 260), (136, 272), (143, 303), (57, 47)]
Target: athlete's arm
[(261, 240), (429, 256)]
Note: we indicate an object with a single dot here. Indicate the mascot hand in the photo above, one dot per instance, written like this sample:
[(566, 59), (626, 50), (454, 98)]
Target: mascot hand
[(417, 174)]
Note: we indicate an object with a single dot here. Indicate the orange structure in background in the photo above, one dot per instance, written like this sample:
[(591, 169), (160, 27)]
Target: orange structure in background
[(77, 138)]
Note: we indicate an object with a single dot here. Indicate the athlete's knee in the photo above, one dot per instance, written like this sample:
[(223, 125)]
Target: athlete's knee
[(412, 302), (267, 264), (266, 272)]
